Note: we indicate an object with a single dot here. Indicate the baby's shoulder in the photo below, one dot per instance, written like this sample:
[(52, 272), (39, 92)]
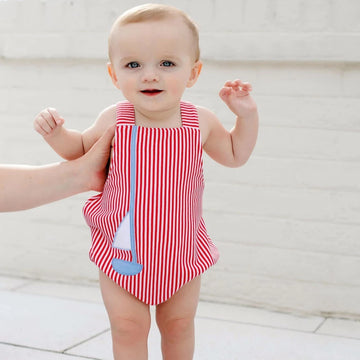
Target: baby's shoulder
[(107, 116), (104, 120), (204, 113), (207, 119)]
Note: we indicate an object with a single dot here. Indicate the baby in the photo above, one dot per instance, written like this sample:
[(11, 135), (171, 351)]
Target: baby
[(149, 239)]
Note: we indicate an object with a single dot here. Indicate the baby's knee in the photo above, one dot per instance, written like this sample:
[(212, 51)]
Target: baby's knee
[(176, 329), (129, 331)]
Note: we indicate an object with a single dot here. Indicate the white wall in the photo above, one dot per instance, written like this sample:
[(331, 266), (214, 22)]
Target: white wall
[(288, 223)]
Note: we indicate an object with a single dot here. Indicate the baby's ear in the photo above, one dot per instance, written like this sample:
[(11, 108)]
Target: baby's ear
[(195, 73), (112, 74)]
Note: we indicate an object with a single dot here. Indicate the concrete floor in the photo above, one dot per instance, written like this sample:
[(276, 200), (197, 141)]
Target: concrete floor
[(52, 321)]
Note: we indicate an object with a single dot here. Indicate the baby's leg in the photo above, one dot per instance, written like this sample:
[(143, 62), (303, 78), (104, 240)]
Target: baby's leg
[(129, 320), (175, 319)]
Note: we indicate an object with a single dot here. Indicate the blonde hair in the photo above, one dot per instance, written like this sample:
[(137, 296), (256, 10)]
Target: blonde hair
[(150, 12)]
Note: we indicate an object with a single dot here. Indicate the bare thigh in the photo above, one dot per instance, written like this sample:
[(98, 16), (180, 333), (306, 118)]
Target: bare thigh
[(182, 305), (121, 305)]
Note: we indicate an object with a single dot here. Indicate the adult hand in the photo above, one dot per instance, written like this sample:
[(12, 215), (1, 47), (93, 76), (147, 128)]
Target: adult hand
[(93, 165)]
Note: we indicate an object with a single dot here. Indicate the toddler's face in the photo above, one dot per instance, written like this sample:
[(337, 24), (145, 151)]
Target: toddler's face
[(153, 63)]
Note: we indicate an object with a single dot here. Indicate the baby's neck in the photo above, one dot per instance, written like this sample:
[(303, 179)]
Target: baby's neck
[(165, 119)]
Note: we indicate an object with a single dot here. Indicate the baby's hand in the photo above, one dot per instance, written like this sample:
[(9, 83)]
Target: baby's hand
[(48, 122), (236, 95)]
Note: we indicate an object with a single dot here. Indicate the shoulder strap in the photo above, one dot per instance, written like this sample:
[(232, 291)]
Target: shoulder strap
[(189, 115), (125, 114)]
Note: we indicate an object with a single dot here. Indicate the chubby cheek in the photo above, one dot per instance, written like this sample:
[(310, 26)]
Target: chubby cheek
[(127, 84), (176, 86)]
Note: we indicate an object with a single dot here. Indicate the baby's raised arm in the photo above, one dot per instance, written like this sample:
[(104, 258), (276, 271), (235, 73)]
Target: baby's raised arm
[(231, 148), (67, 143), (71, 144)]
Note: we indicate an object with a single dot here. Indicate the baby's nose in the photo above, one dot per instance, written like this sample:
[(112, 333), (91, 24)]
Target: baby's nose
[(150, 75)]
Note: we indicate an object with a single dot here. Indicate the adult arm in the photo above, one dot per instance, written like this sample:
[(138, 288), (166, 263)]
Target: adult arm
[(24, 187)]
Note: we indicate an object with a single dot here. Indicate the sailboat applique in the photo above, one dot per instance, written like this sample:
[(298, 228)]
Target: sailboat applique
[(125, 234)]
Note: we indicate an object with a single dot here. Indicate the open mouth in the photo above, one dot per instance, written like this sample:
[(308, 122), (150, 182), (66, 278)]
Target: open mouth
[(151, 92)]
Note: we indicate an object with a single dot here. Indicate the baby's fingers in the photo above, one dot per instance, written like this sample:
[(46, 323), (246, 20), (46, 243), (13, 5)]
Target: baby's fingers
[(39, 128), (245, 86), (47, 120), (239, 85), (55, 116), (225, 92)]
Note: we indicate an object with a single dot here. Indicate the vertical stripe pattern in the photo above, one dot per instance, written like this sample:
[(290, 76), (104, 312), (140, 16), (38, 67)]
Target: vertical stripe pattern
[(171, 240)]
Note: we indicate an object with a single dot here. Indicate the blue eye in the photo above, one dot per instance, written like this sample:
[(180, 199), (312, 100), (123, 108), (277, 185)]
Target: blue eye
[(167, 63), (133, 65)]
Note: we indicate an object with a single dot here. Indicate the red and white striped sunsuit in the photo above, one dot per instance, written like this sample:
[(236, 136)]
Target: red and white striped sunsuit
[(171, 240)]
